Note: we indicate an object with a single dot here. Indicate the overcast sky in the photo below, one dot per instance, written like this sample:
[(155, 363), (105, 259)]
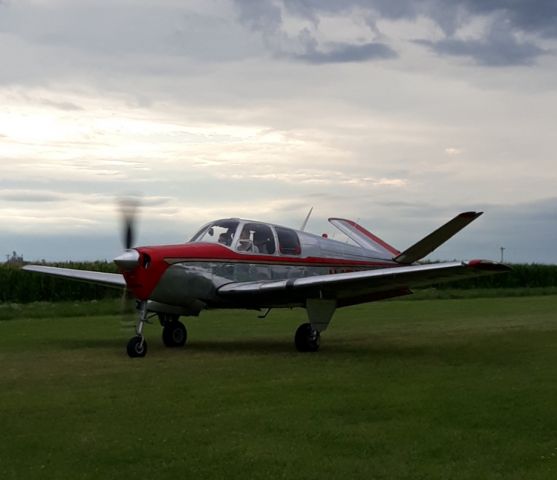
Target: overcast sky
[(398, 114)]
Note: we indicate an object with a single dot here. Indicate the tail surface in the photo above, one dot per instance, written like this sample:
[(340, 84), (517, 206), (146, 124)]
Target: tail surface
[(419, 250), (427, 244)]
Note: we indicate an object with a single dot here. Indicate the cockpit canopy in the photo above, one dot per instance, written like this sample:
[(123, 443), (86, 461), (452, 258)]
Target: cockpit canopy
[(250, 237)]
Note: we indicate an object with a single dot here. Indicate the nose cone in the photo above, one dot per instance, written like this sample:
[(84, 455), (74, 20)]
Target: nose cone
[(128, 260)]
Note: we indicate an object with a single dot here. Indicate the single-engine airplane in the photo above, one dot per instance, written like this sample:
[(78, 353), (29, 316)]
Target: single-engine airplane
[(237, 263)]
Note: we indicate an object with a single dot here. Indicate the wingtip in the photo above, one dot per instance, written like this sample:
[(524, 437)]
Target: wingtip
[(470, 214), (488, 265)]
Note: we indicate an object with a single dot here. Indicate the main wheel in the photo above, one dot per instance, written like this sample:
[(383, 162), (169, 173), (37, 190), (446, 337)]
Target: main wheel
[(307, 338), (137, 347), (174, 334)]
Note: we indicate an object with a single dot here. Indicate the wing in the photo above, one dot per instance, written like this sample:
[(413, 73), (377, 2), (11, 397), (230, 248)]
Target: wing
[(355, 287), (101, 278)]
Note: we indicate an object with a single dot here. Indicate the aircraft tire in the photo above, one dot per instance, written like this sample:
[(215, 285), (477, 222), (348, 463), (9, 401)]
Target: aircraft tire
[(137, 347), (174, 334), (307, 339)]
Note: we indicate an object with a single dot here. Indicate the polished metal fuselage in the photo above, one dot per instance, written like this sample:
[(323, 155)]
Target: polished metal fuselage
[(194, 283)]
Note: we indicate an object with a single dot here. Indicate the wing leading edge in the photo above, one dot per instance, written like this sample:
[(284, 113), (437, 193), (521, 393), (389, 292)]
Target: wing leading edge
[(357, 287), (100, 278)]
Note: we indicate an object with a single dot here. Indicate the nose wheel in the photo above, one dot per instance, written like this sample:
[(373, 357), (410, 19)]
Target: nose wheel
[(137, 347)]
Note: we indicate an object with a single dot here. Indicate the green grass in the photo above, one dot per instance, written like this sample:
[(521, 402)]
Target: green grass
[(14, 311), (451, 293), (459, 389)]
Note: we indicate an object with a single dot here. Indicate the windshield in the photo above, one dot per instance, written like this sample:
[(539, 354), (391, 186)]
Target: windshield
[(222, 232)]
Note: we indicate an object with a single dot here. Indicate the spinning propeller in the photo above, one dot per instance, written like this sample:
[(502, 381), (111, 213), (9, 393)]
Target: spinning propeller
[(129, 207), (130, 258)]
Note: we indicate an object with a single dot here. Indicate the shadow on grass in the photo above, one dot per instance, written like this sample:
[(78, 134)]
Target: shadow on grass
[(251, 347), (487, 350), (266, 347), (255, 346), (451, 353), (84, 343)]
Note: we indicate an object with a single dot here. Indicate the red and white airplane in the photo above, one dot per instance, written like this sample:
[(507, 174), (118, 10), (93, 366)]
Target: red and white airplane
[(237, 263)]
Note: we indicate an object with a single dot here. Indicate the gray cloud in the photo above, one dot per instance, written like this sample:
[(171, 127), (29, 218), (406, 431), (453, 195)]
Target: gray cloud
[(528, 231), (66, 39), (30, 196), (266, 17), (497, 46), (344, 53), (260, 15), (485, 53), (534, 16)]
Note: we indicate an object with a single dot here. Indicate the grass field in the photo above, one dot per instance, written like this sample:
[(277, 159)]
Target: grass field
[(451, 389)]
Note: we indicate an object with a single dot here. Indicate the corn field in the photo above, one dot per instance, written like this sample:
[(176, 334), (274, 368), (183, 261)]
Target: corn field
[(23, 287), (18, 286)]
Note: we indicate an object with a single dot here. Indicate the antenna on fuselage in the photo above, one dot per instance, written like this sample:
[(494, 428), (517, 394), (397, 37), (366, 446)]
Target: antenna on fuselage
[(306, 220)]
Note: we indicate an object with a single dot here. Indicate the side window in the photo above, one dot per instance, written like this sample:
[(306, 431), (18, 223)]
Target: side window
[(256, 238), (289, 243), (263, 239)]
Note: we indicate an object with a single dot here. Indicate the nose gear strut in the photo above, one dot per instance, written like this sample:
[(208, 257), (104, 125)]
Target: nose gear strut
[(137, 346)]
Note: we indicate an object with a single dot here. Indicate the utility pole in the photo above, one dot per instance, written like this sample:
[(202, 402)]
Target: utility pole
[(502, 250)]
